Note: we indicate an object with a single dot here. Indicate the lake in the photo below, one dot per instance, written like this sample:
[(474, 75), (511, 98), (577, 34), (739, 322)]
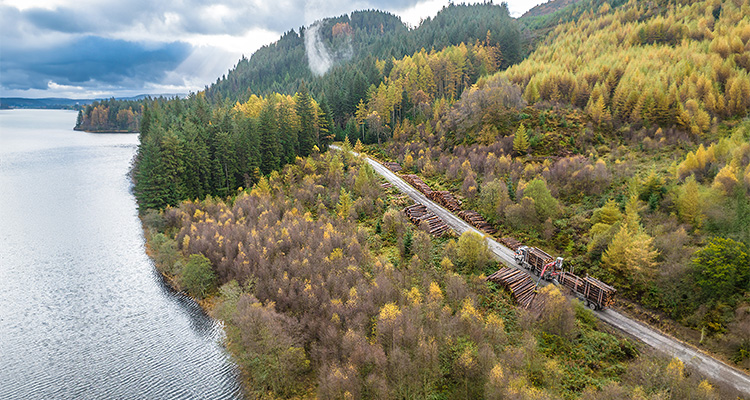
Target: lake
[(83, 312)]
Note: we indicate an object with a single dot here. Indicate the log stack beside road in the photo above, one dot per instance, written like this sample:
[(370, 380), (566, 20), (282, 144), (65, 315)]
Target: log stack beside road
[(395, 167), (510, 243), (445, 199), (418, 215), (518, 283), (477, 221), (418, 184)]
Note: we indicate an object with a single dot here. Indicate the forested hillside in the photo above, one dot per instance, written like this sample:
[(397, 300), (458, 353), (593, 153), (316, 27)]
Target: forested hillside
[(660, 64), (354, 41), (549, 7), (629, 126), (621, 143)]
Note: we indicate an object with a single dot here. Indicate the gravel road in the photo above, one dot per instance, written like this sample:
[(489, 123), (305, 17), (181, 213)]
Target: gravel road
[(709, 366)]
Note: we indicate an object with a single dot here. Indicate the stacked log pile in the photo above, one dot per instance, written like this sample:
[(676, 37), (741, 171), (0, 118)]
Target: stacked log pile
[(418, 214), (395, 167), (445, 199), (570, 281), (589, 288), (418, 184), (477, 221), (511, 243), (518, 283)]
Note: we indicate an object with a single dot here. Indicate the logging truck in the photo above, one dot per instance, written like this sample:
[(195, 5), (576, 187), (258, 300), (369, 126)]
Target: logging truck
[(538, 262), (593, 292)]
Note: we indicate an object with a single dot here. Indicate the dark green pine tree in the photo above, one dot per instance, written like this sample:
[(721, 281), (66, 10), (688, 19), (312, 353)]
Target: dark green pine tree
[(287, 135), (146, 188), (270, 148), (226, 161), (146, 120), (158, 171), (194, 154), (248, 154), (79, 120), (325, 133), (171, 168), (306, 135), (221, 152)]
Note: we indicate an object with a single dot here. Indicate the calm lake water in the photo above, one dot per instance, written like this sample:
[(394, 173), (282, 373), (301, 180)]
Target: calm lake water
[(83, 313)]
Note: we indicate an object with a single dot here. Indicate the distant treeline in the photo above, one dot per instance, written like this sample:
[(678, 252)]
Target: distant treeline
[(9, 103), (110, 116)]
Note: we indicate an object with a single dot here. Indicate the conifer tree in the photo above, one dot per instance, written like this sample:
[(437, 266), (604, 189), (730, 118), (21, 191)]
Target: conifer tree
[(359, 147), (270, 148), (361, 116), (630, 256), (521, 140), (325, 136), (605, 224), (306, 136), (609, 214), (288, 136), (345, 204), (689, 204)]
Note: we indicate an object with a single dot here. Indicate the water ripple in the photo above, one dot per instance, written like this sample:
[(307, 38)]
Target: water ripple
[(84, 315)]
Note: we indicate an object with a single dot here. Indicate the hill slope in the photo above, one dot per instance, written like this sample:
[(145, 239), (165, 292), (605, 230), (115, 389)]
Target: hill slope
[(357, 39)]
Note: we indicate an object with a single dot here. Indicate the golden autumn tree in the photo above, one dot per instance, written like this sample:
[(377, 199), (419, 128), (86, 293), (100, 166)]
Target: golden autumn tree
[(521, 140), (689, 204), (344, 207), (630, 256)]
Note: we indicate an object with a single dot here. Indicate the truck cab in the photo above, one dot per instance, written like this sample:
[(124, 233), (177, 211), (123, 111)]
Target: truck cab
[(520, 255)]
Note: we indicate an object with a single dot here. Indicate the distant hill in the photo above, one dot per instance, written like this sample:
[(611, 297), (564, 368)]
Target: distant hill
[(59, 103), (46, 103), (548, 7), (351, 43)]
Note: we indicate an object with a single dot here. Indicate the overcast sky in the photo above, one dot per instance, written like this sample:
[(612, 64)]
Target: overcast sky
[(102, 48)]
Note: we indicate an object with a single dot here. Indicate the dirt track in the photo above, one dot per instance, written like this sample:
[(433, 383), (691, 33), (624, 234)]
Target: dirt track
[(709, 366)]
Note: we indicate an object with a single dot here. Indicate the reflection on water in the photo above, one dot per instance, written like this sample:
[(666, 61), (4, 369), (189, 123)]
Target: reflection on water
[(83, 313)]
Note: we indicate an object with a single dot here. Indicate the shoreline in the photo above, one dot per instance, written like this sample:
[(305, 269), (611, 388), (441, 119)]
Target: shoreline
[(104, 131), (207, 305)]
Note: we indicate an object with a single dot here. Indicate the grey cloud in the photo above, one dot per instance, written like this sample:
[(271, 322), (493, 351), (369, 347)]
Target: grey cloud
[(64, 20), (279, 16), (81, 56), (91, 61)]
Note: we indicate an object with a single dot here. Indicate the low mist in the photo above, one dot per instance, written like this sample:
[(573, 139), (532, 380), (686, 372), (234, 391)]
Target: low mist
[(319, 57)]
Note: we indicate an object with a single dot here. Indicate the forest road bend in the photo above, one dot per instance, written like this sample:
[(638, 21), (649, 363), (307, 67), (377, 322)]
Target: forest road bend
[(707, 365)]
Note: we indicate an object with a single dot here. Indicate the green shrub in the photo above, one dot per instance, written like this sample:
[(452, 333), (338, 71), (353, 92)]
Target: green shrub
[(197, 276)]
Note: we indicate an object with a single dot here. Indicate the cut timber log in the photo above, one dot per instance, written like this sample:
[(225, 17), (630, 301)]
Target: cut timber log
[(518, 283), (418, 184), (419, 215), (477, 221), (511, 243), (590, 289), (395, 167), (445, 199)]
